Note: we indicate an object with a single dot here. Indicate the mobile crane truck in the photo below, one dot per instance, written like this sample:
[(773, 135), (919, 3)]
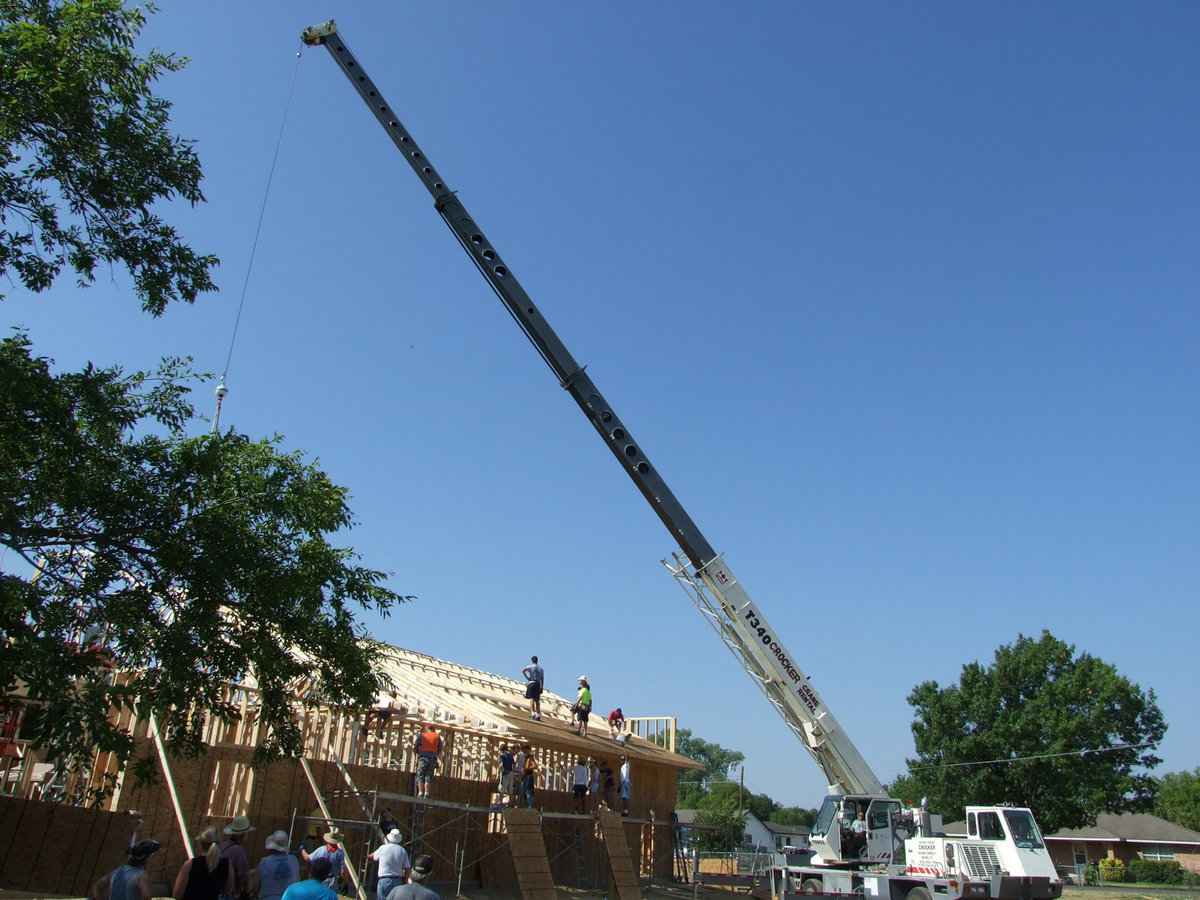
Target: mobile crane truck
[(897, 853)]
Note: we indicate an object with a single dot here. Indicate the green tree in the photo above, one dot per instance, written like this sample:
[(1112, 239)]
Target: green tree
[(718, 762), (185, 562), (794, 816), (1178, 798), (85, 152), (1064, 734), (723, 795), (720, 828)]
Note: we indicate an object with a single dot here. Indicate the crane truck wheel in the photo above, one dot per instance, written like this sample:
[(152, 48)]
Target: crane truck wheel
[(814, 886), (919, 893)]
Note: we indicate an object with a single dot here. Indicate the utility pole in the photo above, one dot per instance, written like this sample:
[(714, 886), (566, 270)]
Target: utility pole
[(741, 815)]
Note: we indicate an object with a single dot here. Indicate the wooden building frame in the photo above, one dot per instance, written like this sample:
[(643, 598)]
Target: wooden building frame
[(356, 762)]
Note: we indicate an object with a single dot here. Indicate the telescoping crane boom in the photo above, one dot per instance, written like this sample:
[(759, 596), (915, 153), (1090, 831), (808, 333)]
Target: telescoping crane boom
[(1020, 867), (740, 622)]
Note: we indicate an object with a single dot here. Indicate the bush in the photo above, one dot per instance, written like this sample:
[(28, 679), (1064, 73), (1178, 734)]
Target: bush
[(1113, 870), (1153, 871)]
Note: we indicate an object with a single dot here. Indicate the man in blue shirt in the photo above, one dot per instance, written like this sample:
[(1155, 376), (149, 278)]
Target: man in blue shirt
[(535, 680), (313, 887)]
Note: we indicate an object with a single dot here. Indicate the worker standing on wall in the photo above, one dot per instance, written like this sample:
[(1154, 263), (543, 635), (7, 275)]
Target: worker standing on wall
[(583, 705), (535, 681), (428, 745)]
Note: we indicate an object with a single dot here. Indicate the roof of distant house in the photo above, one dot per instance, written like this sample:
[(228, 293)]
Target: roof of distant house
[(1132, 827)]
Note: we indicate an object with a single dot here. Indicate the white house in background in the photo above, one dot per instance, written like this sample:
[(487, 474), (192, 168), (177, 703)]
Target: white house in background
[(758, 837), (788, 837)]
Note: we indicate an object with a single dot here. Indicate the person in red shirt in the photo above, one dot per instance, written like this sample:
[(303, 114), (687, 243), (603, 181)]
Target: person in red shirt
[(616, 723)]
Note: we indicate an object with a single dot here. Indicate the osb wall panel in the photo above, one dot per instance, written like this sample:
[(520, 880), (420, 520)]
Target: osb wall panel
[(219, 785), (33, 836)]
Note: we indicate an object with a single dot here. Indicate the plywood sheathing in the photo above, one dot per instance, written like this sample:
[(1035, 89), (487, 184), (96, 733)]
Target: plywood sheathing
[(474, 711), (58, 849), (529, 854), (624, 875)]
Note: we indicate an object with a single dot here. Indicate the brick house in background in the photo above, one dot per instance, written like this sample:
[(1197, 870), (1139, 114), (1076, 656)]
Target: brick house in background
[(1125, 836)]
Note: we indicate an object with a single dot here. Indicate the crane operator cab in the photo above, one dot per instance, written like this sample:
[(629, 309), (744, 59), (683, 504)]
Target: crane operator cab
[(857, 829)]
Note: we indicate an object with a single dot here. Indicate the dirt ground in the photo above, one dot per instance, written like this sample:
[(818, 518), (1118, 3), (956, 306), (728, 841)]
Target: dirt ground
[(685, 892), (659, 892)]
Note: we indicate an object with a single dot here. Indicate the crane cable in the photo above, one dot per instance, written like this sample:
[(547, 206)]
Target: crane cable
[(222, 390)]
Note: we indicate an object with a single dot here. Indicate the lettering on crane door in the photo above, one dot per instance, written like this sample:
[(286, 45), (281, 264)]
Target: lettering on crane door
[(804, 692)]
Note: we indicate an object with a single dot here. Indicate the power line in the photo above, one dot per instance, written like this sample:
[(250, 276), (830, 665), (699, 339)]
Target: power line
[(1013, 759)]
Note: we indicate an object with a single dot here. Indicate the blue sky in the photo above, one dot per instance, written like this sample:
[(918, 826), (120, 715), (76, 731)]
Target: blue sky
[(900, 299)]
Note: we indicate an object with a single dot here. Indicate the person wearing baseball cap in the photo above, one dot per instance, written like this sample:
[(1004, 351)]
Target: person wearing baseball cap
[(415, 889), (130, 881)]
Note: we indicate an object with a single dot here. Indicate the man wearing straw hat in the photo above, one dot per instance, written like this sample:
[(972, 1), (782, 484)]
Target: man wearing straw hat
[(334, 851), (231, 849)]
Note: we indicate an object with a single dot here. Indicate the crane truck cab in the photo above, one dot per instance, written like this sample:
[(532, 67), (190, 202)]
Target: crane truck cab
[(906, 855), (876, 838), (1003, 855)]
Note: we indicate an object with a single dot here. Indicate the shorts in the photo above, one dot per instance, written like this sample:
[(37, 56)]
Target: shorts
[(582, 714), (580, 791), (533, 691), (508, 783), (624, 790), (425, 767)]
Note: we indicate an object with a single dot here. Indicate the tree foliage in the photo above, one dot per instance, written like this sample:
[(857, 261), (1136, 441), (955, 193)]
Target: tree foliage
[(185, 562), (1064, 734), (794, 816), (1178, 798), (719, 829), (718, 801), (718, 763), (86, 153), (127, 546)]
